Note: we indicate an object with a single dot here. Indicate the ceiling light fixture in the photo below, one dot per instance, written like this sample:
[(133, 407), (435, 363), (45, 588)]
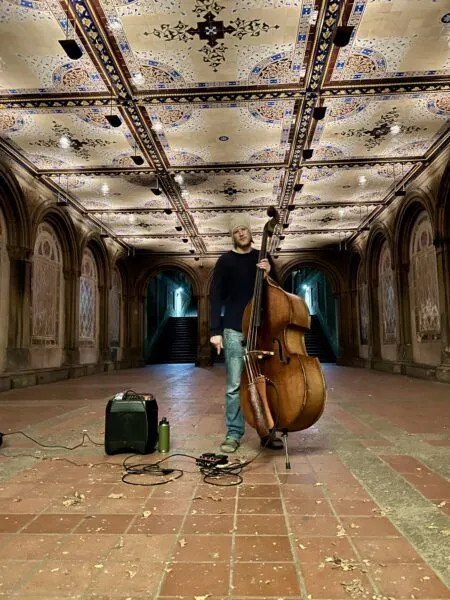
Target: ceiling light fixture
[(64, 142), (179, 178), (157, 127), (298, 187), (343, 35), (137, 158), (70, 46), (178, 228), (395, 129), (319, 112), (113, 120), (185, 240), (362, 180), (157, 191), (168, 211), (307, 153), (105, 189), (291, 207)]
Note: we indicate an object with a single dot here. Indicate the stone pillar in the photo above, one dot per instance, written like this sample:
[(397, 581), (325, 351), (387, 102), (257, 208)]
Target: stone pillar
[(19, 326), (103, 341), (404, 342), (443, 268), (72, 316), (203, 346), (374, 347), (134, 346)]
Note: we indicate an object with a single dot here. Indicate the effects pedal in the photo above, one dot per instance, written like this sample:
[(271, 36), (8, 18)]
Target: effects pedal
[(209, 459)]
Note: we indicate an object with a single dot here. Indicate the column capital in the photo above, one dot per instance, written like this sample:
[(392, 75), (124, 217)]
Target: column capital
[(18, 252)]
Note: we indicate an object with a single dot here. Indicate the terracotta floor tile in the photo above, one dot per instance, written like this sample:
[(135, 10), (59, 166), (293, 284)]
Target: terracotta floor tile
[(382, 550), (404, 580), (84, 547), (265, 579), (268, 506), (302, 491), (156, 524), (167, 506), (56, 578), (355, 507), (298, 506), (153, 548), (132, 579), (53, 523), (261, 524), (213, 506), (204, 490), (262, 478), (331, 583), (122, 505), (203, 548), (208, 524), (298, 478), (259, 491), (307, 525), (317, 549), (182, 579), (11, 523), (261, 548), (25, 506), (369, 527), (103, 524), (403, 464), (30, 546)]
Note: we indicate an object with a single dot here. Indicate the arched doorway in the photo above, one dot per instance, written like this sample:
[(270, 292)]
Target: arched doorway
[(170, 323), (313, 286)]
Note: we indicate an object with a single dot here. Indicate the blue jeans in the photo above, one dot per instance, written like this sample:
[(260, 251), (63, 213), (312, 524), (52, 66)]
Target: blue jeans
[(234, 363)]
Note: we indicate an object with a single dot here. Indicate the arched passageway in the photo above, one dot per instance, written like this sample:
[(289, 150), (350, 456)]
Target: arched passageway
[(313, 286), (170, 318)]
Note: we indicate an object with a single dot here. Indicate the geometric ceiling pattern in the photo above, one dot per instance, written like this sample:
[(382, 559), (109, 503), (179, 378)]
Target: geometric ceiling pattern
[(218, 101)]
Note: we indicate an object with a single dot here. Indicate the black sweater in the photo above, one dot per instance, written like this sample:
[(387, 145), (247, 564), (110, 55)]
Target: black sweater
[(232, 287)]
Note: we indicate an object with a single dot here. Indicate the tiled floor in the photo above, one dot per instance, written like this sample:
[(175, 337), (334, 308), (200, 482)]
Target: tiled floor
[(362, 514)]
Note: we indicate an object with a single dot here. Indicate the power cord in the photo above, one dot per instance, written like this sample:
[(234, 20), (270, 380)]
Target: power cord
[(84, 436)]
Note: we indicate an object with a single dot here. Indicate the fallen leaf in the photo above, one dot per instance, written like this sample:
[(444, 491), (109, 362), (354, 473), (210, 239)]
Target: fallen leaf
[(146, 514), (302, 546), (131, 574), (115, 496), (183, 543), (99, 566), (443, 503), (202, 597), (445, 532)]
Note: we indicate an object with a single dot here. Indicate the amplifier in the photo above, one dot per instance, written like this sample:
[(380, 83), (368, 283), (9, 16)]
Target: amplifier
[(131, 423)]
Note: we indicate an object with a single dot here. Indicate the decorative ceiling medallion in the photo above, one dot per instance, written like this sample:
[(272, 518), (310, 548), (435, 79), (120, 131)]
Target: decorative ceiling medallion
[(181, 157), (269, 112), (328, 152), (142, 180), (10, 122), (268, 155), (364, 63), (276, 69), (211, 30), (170, 115), (72, 77), (345, 107), (223, 138), (446, 18), (157, 74), (95, 116), (374, 137), (439, 106)]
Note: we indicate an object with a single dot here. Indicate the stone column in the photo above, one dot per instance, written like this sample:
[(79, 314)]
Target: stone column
[(134, 346), (203, 345), (374, 347), (404, 345), (72, 316), (443, 268), (19, 326), (103, 341)]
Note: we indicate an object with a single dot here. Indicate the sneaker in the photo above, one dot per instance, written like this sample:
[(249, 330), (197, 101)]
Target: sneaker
[(230, 445)]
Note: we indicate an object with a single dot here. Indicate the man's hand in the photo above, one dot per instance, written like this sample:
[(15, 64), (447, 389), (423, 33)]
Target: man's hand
[(217, 342), (264, 264)]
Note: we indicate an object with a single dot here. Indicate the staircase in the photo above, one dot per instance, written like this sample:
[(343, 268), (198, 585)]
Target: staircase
[(317, 343), (178, 341)]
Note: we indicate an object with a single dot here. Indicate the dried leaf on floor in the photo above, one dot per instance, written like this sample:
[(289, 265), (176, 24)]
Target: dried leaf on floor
[(340, 531), (356, 589), (146, 514), (443, 503), (77, 498), (115, 496), (215, 498), (182, 542), (202, 597), (445, 532), (99, 566), (131, 574)]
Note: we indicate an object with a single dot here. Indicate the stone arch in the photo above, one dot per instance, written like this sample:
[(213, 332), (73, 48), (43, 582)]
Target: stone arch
[(378, 235), (418, 202), (15, 210), (4, 290), (442, 229), (94, 242), (309, 260), (164, 265), (65, 230)]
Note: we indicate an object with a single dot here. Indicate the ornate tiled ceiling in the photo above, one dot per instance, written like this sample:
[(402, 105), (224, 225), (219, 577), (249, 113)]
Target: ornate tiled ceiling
[(216, 100)]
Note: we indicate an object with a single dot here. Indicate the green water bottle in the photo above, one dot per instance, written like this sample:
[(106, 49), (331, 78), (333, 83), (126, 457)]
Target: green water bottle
[(164, 435)]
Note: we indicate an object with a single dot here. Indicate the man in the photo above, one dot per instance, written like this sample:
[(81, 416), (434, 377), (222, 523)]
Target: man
[(232, 287)]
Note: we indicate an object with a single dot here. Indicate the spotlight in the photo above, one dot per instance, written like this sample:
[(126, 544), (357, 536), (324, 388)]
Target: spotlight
[(282, 237), (179, 228), (196, 258), (291, 207), (168, 211), (298, 187), (71, 48), (285, 225), (192, 251), (114, 120), (156, 190), (400, 193), (319, 112), (179, 178), (307, 153), (185, 240), (138, 160), (343, 35), (278, 249), (275, 255)]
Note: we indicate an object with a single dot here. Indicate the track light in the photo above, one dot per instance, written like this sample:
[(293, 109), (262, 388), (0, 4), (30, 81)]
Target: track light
[(282, 237), (196, 258), (185, 240), (307, 153), (114, 120), (156, 190), (278, 249), (319, 112), (285, 225), (168, 211), (179, 228), (291, 207), (137, 159), (275, 255), (343, 35), (192, 251), (71, 48), (298, 187)]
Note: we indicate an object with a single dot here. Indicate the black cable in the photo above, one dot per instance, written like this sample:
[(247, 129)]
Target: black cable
[(84, 436)]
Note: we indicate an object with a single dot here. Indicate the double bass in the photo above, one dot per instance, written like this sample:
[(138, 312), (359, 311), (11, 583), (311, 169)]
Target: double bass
[(282, 388)]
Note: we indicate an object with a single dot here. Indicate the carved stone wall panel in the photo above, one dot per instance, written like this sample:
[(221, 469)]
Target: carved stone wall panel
[(388, 304), (115, 310), (88, 300)]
